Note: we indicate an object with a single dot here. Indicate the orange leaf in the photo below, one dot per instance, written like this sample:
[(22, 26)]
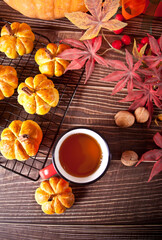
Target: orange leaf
[(132, 8), (113, 24), (91, 33), (99, 18), (158, 117), (94, 7), (110, 7), (81, 20)]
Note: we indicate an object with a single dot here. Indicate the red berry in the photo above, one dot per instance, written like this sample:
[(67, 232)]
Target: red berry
[(117, 44), (126, 39), (119, 17), (145, 40), (139, 46), (158, 40), (118, 31)]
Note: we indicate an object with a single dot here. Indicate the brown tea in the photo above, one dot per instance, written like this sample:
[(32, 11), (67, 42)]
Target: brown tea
[(80, 155)]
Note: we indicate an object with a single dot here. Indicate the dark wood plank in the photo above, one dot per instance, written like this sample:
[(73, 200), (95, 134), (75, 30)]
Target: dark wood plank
[(89, 232), (122, 196)]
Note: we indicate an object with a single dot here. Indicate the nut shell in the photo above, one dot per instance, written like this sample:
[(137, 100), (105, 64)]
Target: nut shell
[(129, 158), (124, 119), (141, 114)]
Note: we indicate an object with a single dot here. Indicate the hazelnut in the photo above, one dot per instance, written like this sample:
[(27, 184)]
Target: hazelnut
[(124, 119), (129, 158), (141, 114)]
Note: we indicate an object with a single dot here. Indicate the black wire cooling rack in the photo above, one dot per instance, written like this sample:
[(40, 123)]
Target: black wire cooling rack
[(50, 123)]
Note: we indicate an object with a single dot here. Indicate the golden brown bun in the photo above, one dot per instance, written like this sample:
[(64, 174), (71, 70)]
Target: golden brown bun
[(16, 39), (49, 63), (54, 195), (20, 140), (8, 81), (38, 94)]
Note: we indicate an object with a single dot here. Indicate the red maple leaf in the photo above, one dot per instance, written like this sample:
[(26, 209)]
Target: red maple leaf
[(154, 75), (145, 96), (84, 52), (154, 155), (156, 59), (126, 74)]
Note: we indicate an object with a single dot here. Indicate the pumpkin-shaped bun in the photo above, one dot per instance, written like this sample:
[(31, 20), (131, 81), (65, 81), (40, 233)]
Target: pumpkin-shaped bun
[(48, 10), (8, 81), (54, 195), (49, 63), (16, 39), (38, 94), (20, 140)]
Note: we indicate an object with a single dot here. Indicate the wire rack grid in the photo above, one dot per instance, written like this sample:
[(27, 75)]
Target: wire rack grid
[(50, 123)]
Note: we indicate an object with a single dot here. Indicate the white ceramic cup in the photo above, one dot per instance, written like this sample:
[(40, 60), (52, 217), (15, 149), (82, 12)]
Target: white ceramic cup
[(56, 167)]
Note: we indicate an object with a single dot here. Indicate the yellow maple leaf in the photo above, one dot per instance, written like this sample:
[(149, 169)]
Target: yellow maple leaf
[(135, 52), (158, 117), (99, 18)]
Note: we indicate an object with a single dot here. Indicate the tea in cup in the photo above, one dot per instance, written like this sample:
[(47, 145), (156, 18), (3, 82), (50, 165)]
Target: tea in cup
[(79, 156)]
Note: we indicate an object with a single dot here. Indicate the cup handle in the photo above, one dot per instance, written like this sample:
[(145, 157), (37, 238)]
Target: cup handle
[(47, 172)]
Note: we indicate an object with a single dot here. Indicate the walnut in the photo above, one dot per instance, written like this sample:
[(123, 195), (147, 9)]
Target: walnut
[(124, 119), (129, 158), (141, 114)]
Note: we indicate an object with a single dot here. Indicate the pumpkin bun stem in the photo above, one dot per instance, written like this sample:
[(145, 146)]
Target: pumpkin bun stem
[(27, 91), (49, 53), (51, 197), (23, 137), (8, 27)]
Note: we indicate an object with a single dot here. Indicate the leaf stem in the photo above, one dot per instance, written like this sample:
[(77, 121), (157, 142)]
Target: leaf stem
[(107, 50), (152, 161), (116, 50)]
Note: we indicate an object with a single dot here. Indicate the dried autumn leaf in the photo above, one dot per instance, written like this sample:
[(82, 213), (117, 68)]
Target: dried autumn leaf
[(131, 9), (157, 168), (154, 75), (135, 52), (158, 117), (125, 75), (154, 155), (99, 18), (158, 139), (144, 96), (154, 60), (83, 53)]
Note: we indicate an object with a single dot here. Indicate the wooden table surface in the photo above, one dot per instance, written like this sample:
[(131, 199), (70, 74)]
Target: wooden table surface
[(122, 204)]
